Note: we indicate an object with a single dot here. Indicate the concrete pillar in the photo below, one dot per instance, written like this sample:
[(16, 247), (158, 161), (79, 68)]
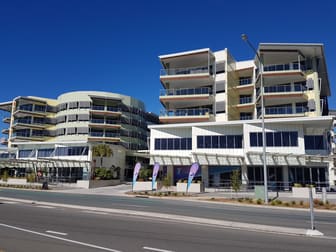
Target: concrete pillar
[(244, 176), (205, 175), (170, 173), (285, 178)]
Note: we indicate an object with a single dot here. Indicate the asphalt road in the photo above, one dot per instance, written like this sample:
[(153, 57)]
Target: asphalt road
[(324, 222), (32, 227)]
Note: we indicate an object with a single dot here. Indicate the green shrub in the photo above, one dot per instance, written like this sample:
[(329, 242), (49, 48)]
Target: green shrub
[(259, 201)]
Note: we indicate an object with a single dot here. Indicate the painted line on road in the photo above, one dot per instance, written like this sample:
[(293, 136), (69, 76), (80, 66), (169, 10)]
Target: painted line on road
[(59, 238), (55, 232), (9, 202), (93, 212), (49, 207), (157, 249)]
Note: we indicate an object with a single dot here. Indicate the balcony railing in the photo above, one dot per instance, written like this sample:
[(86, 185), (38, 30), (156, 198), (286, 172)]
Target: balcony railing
[(186, 91), (186, 112), (284, 67), (246, 117), (98, 107), (285, 88), (104, 121), (244, 100), (285, 110), (244, 81), (107, 134), (186, 71)]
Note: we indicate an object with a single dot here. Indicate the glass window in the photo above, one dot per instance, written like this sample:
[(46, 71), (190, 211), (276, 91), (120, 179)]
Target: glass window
[(183, 143), (293, 138), (177, 143), (269, 139), (277, 139), (238, 141), (253, 139), (170, 143), (164, 144), (200, 141), (189, 143), (222, 142), (230, 141), (45, 152), (285, 139), (207, 140), (319, 142), (215, 143)]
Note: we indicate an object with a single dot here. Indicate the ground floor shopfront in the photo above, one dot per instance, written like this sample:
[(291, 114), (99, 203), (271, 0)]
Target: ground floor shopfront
[(279, 177)]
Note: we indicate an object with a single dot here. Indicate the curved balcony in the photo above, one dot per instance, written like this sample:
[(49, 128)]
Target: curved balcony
[(105, 123), (105, 110), (104, 136)]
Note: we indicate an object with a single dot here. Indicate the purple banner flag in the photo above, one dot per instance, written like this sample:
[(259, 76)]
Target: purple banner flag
[(156, 169), (193, 170), (136, 173)]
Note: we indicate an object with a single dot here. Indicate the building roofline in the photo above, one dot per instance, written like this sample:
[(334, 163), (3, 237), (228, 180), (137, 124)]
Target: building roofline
[(173, 55)]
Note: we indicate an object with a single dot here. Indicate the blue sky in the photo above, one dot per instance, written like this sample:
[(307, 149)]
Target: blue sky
[(51, 47)]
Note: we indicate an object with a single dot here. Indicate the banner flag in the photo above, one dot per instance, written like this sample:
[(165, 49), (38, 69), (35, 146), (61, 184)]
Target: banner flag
[(193, 170), (136, 173), (156, 169)]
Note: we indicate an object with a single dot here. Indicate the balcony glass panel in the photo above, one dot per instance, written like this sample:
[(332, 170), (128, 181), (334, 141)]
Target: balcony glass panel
[(112, 134), (245, 99), (97, 133), (185, 71), (278, 110), (186, 91), (98, 107), (26, 107), (113, 108), (186, 112), (97, 120), (245, 81)]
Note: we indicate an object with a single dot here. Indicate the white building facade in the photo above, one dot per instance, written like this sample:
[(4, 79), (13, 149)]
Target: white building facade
[(212, 115)]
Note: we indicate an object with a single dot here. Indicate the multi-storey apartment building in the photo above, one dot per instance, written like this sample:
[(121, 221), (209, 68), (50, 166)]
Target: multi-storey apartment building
[(58, 134), (212, 115)]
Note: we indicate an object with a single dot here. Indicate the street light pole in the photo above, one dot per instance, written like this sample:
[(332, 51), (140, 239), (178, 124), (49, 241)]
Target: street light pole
[(261, 69)]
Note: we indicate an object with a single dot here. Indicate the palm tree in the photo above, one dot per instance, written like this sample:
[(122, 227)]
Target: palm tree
[(101, 150)]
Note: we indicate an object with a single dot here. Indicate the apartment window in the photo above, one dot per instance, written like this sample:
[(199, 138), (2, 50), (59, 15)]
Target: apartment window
[(314, 142), (220, 142), (40, 108), (26, 153), (245, 116), (45, 152), (71, 151), (172, 143), (220, 67), (275, 139)]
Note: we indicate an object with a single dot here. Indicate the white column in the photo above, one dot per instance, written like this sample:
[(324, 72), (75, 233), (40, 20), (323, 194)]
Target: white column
[(170, 172), (285, 177), (205, 175), (244, 176)]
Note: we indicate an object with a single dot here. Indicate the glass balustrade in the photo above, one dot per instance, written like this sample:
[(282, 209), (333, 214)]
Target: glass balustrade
[(284, 67), (186, 112), (244, 100), (186, 91), (186, 71), (98, 107), (245, 81)]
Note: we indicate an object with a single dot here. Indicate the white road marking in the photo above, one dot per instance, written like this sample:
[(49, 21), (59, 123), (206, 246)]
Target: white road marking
[(60, 238), (9, 202), (54, 232), (157, 249), (93, 212), (45, 207)]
